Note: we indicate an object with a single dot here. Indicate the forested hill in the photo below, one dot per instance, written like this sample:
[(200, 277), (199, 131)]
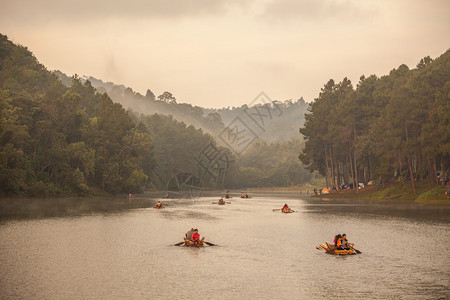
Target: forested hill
[(394, 126), (212, 121), (58, 140), (70, 139)]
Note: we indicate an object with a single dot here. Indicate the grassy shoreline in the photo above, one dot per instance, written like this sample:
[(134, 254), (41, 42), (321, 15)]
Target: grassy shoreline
[(397, 192)]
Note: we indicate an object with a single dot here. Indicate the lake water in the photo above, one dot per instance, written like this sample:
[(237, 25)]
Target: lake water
[(261, 254)]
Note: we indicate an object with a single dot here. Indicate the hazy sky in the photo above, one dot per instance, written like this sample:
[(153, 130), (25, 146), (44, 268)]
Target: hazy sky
[(219, 53)]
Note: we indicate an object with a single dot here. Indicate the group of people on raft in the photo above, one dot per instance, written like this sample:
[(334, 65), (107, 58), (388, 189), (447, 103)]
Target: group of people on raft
[(341, 242), (245, 195), (158, 205)]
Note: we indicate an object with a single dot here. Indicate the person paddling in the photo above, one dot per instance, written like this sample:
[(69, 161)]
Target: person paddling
[(195, 236), (345, 244), (158, 204), (286, 208)]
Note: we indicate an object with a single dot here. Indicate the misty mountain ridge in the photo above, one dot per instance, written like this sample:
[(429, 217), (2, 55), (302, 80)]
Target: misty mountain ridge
[(269, 120)]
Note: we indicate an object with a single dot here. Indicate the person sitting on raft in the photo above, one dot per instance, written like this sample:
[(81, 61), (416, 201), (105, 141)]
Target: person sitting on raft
[(227, 195), (345, 244), (286, 208), (195, 238), (221, 201), (158, 204), (188, 234), (338, 243)]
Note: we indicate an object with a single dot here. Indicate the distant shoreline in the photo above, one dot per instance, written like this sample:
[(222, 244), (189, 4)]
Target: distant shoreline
[(394, 193)]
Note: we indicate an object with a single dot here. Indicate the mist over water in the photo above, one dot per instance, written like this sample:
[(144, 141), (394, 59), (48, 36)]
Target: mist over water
[(261, 254)]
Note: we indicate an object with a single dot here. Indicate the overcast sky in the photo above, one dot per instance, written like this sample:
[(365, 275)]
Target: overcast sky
[(219, 53)]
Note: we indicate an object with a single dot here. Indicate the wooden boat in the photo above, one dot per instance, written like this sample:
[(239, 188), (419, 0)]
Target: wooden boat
[(189, 243), (222, 202), (330, 249)]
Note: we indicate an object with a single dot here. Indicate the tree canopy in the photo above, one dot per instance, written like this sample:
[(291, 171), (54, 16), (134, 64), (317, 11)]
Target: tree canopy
[(71, 138), (388, 127)]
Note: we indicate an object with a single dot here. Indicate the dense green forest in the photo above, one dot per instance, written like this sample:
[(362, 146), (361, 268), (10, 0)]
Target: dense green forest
[(270, 164), (56, 140), (71, 139), (394, 126)]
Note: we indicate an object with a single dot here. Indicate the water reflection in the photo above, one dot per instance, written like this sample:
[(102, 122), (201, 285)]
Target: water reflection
[(127, 253)]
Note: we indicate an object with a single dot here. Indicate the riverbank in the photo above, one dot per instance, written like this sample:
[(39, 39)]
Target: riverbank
[(396, 192)]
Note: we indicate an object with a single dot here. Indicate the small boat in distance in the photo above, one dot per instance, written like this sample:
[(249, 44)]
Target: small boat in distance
[(221, 202), (331, 249), (158, 205), (245, 195), (285, 209)]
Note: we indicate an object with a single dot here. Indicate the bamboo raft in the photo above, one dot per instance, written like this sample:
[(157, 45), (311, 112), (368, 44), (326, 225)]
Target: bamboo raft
[(189, 243), (199, 244), (284, 211), (330, 249), (221, 202)]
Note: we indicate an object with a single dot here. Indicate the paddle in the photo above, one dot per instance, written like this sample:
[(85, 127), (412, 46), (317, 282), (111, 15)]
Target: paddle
[(209, 244), (357, 251), (275, 209), (179, 244)]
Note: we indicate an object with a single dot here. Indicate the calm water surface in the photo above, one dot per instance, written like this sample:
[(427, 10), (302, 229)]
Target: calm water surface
[(261, 254)]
